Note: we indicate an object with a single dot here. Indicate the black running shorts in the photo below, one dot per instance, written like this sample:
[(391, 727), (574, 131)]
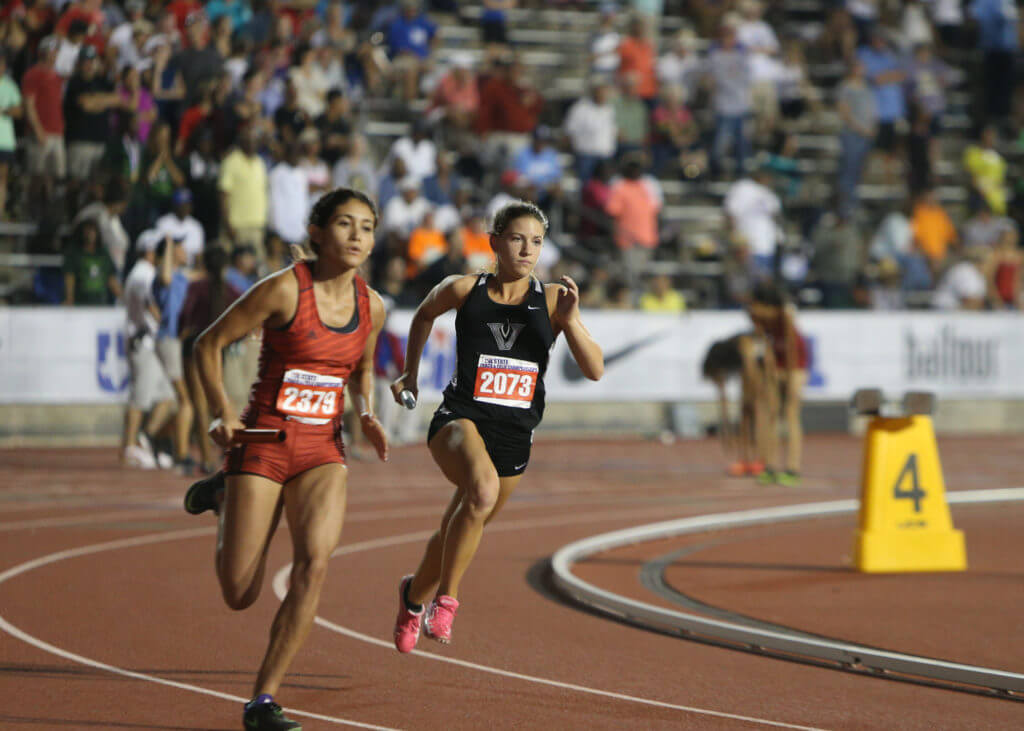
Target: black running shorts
[(507, 446)]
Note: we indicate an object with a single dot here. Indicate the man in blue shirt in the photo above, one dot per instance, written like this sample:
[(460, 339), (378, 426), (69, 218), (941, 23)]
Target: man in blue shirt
[(997, 37), (886, 72), (411, 38), (169, 289), (538, 164)]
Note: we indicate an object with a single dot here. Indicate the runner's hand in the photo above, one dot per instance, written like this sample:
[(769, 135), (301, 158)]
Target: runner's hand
[(373, 430), (568, 306), (222, 431), (404, 383)]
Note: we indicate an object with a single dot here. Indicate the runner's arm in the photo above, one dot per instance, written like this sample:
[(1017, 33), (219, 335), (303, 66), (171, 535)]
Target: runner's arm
[(271, 301), (449, 294), (565, 317), (360, 384)]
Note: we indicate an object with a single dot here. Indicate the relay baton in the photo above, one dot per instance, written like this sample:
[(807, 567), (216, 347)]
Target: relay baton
[(259, 436), (408, 400)]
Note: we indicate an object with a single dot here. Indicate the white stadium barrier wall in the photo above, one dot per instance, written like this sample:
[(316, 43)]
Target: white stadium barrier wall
[(77, 355)]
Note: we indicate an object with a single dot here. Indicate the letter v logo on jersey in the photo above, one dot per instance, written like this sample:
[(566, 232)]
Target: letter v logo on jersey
[(506, 333)]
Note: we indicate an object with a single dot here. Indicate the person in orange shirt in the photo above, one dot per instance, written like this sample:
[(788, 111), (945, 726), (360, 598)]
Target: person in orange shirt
[(426, 245), (637, 57), (934, 232), (634, 206), (476, 242)]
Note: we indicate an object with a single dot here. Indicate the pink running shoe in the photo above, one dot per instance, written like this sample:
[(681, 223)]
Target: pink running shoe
[(407, 624), (440, 615)]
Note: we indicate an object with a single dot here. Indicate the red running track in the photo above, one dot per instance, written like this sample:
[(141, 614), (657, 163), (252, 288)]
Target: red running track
[(125, 629)]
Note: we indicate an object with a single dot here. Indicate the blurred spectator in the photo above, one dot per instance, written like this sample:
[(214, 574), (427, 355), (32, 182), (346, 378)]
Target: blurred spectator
[(983, 230), (865, 18), (405, 211), (676, 139), (634, 206), (619, 296), (493, 22), (632, 118), (753, 209), (238, 11), (199, 61), (681, 64), (69, 49), (90, 277), (928, 78), (107, 216), (596, 226), (243, 271), (289, 198), (130, 34), (512, 189), (729, 72), (42, 89), (411, 39), (354, 170), (195, 117), (221, 38), (161, 172), (962, 287), (509, 109), (661, 297), (590, 125), (934, 233), (886, 72), (387, 186), (1003, 269), (760, 41), (885, 289), (476, 241), (915, 28), (998, 40), (290, 118), (603, 45), (317, 173), (243, 188), (637, 58), (168, 82), (334, 127), (987, 169), (417, 150), (796, 93), (137, 99), (426, 244), (538, 164), (441, 187), (858, 111), (88, 101), (785, 167), (456, 100), (181, 226), (894, 241), (838, 259), (202, 172), (309, 81), (10, 109), (948, 16)]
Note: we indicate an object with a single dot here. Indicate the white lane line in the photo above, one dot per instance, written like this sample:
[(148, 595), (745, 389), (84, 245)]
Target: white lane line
[(280, 585), (131, 543)]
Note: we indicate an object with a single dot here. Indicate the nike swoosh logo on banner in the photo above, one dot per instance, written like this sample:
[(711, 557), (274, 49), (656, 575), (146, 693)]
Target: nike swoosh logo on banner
[(572, 373)]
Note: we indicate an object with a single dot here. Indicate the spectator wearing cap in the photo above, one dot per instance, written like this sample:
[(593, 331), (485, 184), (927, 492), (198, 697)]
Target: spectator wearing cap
[(730, 77), (180, 225), (590, 126), (509, 109), (243, 189), (42, 89), (355, 170), (90, 278), (334, 127), (200, 61), (538, 163), (417, 150), (456, 99), (637, 58), (289, 198), (405, 211), (10, 109), (411, 38), (107, 215), (88, 101)]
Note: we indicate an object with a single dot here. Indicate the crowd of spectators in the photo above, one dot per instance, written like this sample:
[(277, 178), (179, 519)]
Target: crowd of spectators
[(220, 124)]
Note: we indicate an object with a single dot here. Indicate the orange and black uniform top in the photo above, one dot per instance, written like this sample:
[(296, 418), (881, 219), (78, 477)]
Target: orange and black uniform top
[(304, 366)]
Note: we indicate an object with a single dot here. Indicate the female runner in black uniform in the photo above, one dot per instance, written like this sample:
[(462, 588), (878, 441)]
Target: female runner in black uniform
[(481, 434)]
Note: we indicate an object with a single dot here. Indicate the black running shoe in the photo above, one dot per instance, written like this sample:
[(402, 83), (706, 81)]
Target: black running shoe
[(202, 495), (262, 714)]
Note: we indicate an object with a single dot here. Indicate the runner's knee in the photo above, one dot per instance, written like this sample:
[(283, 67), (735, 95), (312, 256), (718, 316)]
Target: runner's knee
[(239, 595), (482, 494), (309, 571)]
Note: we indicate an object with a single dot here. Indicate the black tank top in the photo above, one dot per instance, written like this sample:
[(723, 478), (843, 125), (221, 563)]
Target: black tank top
[(501, 357)]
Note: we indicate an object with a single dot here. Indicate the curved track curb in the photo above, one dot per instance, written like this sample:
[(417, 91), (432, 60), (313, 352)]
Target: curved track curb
[(843, 653)]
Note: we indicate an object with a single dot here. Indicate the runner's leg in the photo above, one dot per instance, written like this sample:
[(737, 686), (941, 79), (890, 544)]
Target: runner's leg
[(248, 518), (315, 508)]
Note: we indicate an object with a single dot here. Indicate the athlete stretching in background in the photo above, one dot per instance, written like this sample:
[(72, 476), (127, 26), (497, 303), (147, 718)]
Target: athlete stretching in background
[(744, 355), (481, 434), (320, 323)]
